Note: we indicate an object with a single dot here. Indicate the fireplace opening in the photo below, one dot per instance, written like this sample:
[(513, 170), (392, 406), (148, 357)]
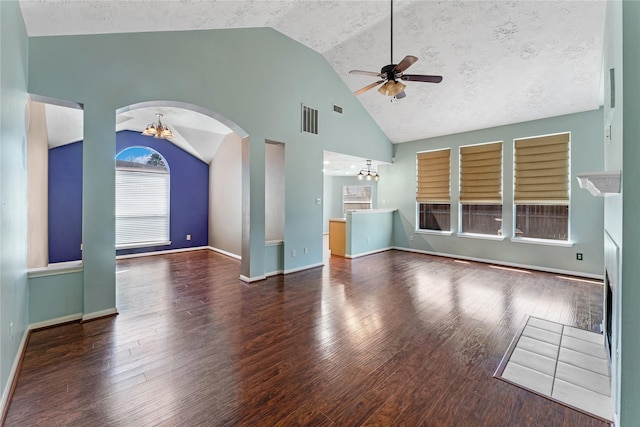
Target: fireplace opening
[(608, 301)]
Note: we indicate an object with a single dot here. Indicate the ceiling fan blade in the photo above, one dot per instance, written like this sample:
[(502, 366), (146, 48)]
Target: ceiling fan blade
[(407, 62), (421, 78), (366, 88), (365, 73), (400, 95)]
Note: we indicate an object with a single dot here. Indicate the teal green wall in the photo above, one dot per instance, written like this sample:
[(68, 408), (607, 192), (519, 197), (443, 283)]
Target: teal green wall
[(622, 53), (333, 196), (368, 232), (630, 285), (398, 187), (256, 78), (273, 258), (13, 187), (56, 296), (613, 159)]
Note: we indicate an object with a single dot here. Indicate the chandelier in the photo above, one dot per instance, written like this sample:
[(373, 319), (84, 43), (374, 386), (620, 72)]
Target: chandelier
[(158, 130), (368, 173)]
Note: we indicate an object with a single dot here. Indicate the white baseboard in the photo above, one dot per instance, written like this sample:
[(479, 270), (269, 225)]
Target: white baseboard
[(506, 264), (101, 313), (13, 372), (223, 252), (252, 279), (369, 253), (168, 251), (306, 267), (56, 321)]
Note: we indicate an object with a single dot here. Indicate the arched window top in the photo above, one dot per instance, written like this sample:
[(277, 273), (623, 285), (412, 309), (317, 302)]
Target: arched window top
[(141, 158)]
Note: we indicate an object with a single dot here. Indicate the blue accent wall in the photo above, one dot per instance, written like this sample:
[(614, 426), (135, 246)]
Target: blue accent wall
[(189, 197), (65, 202)]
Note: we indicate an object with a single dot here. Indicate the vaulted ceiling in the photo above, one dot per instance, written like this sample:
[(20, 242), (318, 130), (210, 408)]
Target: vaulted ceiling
[(502, 61)]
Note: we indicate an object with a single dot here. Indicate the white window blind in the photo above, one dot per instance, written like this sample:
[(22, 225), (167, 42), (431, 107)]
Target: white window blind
[(142, 207)]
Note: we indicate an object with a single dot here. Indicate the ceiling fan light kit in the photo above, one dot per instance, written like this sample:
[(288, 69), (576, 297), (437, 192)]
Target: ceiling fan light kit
[(392, 72), (391, 88)]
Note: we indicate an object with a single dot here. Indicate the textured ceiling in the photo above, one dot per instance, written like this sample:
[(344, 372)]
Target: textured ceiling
[(503, 62)]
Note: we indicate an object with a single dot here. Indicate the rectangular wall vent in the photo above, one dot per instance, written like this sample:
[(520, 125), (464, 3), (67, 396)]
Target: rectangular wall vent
[(309, 120), (337, 109)]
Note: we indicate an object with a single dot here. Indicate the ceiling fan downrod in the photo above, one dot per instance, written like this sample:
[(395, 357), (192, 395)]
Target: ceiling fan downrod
[(391, 38)]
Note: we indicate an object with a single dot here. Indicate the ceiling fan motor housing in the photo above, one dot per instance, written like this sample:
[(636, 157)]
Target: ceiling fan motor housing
[(387, 71)]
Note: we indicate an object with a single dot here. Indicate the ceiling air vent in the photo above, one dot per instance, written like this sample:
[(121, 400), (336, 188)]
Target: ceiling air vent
[(309, 120), (337, 109)]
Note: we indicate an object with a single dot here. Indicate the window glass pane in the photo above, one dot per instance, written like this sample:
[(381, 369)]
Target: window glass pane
[(356, 193), (542, 221), (434, 216), (481, 219), (355, 197), (142, 197)]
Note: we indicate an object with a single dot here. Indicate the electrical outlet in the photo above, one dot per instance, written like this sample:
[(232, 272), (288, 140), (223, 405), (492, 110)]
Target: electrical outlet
[(188, 236), (11, 330), (368, 239), (293, 252), (579, 256), (306, 250), (410, 236)]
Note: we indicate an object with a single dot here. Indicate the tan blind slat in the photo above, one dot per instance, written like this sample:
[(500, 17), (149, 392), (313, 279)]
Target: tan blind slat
[(542, 170), (434, 177), (481, 173)]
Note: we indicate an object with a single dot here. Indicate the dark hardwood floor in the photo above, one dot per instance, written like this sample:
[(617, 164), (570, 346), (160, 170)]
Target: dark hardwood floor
[(390, 339)]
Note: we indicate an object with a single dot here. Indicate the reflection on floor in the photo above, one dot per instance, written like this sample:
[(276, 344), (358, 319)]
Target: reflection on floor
[(563, 363)]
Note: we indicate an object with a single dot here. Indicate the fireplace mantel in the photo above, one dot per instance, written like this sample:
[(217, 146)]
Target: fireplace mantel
[(600, 183)]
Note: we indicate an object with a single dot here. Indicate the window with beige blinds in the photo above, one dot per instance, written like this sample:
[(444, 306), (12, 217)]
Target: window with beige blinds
[(542, 170), (541, 187), (434, 176), (481, 173), (433, 195), (481, 189)]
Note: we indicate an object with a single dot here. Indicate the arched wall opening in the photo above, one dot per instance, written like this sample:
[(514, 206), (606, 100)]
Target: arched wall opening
[(218, 143)]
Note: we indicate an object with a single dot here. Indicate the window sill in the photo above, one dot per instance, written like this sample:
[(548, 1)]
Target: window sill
[(545, 242), (143, 245), (481, 236), (434, 232), (56, 268)]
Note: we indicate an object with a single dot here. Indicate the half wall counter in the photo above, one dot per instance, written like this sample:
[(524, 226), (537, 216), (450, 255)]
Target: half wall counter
[(361, 232)]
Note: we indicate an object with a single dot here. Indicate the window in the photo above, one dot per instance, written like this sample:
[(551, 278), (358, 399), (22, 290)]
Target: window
[(541, 194), (481, 189), (433, 194), (142, 198), (355, 197)]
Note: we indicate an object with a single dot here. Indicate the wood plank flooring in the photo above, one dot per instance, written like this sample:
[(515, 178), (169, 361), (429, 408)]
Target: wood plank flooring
[(390, 339)]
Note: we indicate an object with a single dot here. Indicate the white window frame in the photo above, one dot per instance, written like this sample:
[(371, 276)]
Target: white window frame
[(139, 208), (543, 241), (358, 202)]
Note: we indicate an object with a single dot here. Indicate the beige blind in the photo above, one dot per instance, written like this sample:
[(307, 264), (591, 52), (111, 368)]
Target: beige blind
[(481, 173), (434, 177), (542, 170)]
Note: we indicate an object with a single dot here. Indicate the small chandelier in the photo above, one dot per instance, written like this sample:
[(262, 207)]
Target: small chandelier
[(158, 130), (368, 173)]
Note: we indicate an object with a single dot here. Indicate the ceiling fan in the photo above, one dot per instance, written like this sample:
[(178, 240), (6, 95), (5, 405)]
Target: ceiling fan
[(390, 74)]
